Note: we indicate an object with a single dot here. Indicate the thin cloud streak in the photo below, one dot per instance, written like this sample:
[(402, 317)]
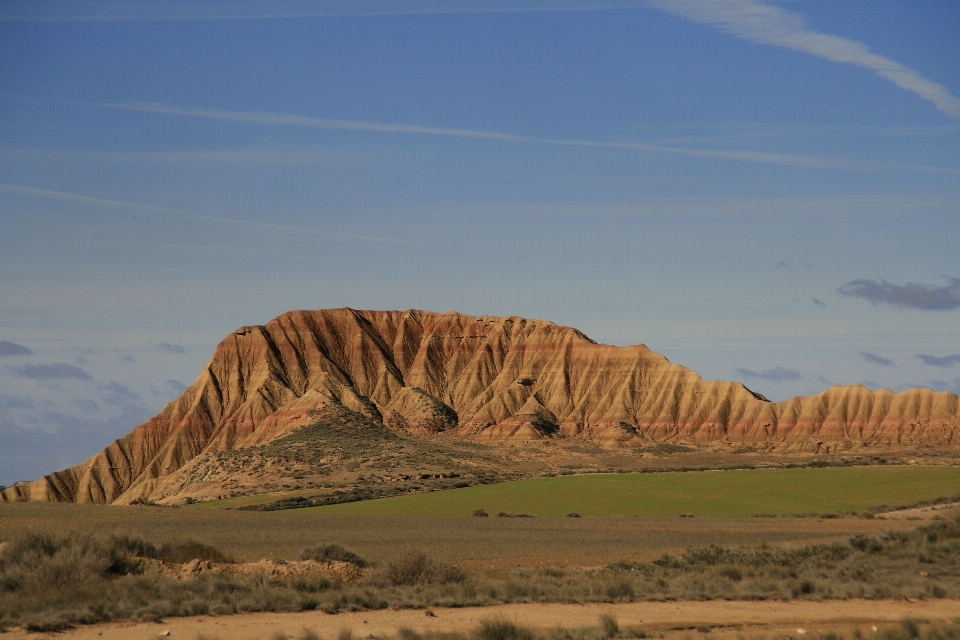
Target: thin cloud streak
[(13, 349), (187, 10), (765, 24), (225, 156), (875, 359), (286, 119), (944, 361), (58, 371), (63, 195), (289, 119), (776, 374), (171, 348)]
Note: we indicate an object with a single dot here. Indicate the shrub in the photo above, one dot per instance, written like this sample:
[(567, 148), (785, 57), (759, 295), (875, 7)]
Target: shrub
[(417, 568), (500, 629), (46, 562), (333, 552), (608, 622), (480, 513)]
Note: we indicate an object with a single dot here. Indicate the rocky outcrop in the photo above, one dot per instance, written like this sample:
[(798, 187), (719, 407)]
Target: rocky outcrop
[(485, 378)]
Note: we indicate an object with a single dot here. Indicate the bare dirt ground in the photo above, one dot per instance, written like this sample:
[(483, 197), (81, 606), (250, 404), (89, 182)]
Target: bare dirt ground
[(680, 619)]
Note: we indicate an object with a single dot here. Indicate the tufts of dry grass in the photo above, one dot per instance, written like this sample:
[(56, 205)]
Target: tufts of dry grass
[(416, 568), (49, 582)]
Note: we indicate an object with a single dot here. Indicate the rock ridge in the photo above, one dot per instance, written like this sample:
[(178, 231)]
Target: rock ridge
[(485, 378)]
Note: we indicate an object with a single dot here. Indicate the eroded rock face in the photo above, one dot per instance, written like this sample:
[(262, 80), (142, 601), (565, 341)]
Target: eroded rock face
[(484, 377)]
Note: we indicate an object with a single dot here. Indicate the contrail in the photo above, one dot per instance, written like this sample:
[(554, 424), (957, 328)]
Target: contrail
[(181, 10), (748, 19), (765, 24), (287, 119), (264, 117), (75, 197)]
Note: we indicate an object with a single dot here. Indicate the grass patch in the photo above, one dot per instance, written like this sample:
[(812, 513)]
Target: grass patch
[(735, 493)]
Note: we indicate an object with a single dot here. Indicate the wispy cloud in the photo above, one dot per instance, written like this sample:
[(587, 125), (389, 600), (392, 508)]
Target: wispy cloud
[(293, 120), (748, 19), (943, 385), (776, 374), (944, 361), (289, 119), (13, 349), (14, 402), (772, 25), (59, 371), (139, 11), (912, 294), (875, 359), (237, 156), (819, 303), (171, 348), (119, 394), (175, 385), (63, 195)]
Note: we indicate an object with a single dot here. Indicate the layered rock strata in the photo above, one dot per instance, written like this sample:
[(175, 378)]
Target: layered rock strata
[(486, 378)]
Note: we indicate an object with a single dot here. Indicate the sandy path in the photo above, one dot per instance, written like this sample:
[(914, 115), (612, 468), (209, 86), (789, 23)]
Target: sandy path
[(731, 618)]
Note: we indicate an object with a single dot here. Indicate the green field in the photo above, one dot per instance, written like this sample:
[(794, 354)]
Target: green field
[(715, 494)]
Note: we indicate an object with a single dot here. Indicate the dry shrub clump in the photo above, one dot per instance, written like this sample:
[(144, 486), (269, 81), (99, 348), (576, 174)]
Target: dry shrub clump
[(333, 552), (416, 568), (42, 571)]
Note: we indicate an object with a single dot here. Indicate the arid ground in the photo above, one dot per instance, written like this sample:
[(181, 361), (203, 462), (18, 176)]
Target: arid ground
[(684, 619)]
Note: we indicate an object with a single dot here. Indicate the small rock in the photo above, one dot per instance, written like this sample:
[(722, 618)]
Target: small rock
[(801, 632), (429, 614), (164, 634)]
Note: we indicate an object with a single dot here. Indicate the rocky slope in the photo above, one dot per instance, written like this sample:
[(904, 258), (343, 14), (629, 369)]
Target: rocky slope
[(477, 378)]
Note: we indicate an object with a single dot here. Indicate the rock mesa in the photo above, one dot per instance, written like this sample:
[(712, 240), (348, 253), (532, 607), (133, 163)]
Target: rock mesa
[(485, 378)]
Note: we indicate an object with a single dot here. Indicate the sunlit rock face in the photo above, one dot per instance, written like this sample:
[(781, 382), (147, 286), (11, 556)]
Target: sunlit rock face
[(487, 378)]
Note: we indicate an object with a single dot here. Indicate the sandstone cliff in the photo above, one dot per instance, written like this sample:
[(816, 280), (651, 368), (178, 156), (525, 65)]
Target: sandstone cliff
[(484, 378)]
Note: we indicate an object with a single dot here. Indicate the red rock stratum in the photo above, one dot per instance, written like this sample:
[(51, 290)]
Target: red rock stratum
[(485, 378)]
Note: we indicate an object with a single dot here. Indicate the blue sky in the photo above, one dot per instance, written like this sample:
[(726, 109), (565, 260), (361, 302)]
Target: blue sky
[(761, 191)]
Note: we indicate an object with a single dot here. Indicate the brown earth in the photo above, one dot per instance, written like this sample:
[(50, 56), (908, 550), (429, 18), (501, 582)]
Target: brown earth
[(405, 377), (678, 619)]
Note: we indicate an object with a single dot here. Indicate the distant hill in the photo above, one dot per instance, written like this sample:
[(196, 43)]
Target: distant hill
[(415, 389)]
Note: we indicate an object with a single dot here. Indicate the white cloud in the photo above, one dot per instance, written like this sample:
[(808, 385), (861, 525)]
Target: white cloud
[(766, 24), (289, 119)]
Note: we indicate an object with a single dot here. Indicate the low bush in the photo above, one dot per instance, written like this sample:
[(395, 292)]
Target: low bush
[(333, 552), (416, 568), (501, 629)]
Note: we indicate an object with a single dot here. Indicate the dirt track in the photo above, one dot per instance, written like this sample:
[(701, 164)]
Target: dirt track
[(673, 618)]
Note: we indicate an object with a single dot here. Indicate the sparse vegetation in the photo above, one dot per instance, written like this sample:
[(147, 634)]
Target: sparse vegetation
[(49, 583)]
